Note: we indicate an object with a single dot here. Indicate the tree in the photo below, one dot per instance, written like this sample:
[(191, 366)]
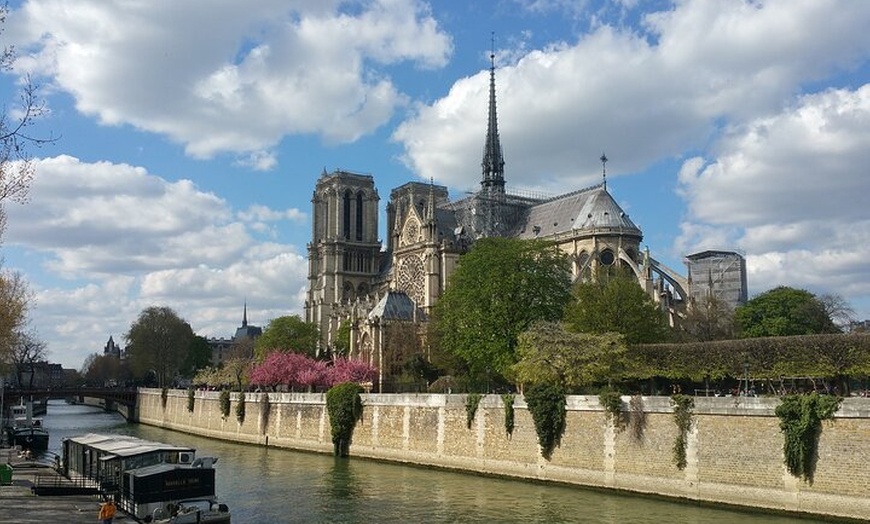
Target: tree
[(16, 164), (198, 356), (14, 303), (548, 354), (498, 290), (104, 370), (709, 318), (289, 333), (615, 303), (838, 310), (341, 344), (158, 341), (784, 311), (27, 351), (16, 174)]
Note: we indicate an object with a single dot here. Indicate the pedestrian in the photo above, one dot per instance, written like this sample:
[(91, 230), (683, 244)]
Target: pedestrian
[(107, 511)]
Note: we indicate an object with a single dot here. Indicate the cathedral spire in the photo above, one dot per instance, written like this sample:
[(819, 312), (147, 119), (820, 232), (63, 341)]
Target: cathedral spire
[(493, 161), (430, 210), (604, 170), (245, 315)]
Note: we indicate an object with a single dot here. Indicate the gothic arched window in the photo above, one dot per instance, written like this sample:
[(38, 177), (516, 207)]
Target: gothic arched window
[(346, 215), (359, 216)]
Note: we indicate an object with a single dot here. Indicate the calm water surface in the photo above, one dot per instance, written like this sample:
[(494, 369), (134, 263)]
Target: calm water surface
[(263, 485)]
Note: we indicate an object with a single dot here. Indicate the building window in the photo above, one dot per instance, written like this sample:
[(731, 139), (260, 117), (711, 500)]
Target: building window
[(606, 257), (359, 216)]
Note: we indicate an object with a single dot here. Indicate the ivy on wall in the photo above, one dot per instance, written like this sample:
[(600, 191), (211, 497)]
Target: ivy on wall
[(637, 417), (683, 406), (508, 400), (547, 406), (224, 400), (240, 408), (164, 395), (472, 400), (344, 406), (265, 409), (191, 399), (800, 419), (611, 401)]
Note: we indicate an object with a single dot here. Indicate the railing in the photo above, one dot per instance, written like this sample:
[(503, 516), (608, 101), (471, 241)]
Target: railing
[(56, 484)]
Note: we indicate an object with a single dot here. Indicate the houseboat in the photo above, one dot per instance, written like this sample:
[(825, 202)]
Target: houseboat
[(24, 430), (151, 481)]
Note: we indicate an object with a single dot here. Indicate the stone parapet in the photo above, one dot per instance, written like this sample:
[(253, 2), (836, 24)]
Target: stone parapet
[(734, 449)]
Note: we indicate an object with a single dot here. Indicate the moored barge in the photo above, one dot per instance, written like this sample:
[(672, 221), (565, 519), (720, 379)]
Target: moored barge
[(151, 481)]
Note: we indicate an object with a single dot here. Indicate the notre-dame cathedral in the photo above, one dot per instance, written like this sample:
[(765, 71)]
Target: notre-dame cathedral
[(353, 279)]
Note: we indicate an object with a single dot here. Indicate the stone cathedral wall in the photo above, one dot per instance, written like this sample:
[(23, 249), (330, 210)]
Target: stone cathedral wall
[(734, 451)]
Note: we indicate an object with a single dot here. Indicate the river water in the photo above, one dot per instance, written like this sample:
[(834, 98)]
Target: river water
[(265, 486)]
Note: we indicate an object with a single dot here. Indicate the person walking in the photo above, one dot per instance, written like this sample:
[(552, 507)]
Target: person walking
[(107, 511)]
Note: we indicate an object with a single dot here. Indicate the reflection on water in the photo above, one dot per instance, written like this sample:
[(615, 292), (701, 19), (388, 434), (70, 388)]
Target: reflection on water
[(268, 485)]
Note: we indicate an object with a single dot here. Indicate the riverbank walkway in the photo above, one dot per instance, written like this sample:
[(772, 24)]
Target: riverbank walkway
[(20, 505)]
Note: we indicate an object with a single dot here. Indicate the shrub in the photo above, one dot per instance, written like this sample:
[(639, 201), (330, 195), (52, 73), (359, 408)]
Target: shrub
[(344, 406), (800, 419), (224, 401), (547, 406)]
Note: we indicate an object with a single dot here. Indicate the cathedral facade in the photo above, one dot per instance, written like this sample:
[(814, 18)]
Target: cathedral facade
[(355, 280)]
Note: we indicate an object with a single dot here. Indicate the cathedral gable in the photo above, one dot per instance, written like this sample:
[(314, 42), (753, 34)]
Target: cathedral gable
[(412, 232)]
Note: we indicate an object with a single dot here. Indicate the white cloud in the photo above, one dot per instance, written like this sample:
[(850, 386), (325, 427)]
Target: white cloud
[(124, 239), (791, 190), (259, 72), (639, 96)]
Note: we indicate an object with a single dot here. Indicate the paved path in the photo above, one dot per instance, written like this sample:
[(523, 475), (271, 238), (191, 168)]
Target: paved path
[(19, 506)]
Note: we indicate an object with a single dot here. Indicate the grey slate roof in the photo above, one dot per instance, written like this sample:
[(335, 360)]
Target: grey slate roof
[(591, 209), (396, 305)]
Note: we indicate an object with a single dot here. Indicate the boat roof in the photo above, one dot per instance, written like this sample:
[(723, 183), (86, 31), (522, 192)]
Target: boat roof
[(124, 445)]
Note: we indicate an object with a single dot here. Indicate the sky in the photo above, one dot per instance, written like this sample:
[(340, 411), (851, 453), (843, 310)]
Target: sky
[(191, 135)]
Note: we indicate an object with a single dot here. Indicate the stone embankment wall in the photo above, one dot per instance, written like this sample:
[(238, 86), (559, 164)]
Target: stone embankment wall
[(734, 451)]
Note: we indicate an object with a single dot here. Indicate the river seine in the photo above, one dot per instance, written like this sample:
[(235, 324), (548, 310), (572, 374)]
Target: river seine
[(263, 485)]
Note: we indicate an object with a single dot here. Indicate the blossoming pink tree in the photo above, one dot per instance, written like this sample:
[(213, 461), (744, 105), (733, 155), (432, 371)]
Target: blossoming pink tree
[(296, 370)]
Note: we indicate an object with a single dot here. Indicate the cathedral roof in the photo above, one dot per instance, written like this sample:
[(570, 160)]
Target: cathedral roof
[(396, 305), (592, 209)]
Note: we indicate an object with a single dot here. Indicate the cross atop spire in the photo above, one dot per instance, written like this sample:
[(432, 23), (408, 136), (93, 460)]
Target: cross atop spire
[(604, 170), (493, 161)]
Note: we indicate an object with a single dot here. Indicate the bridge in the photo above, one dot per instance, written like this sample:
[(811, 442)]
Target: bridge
[(122, 400)]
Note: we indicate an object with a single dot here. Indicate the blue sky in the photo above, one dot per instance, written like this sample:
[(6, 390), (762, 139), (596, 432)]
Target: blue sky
[(192, 134)]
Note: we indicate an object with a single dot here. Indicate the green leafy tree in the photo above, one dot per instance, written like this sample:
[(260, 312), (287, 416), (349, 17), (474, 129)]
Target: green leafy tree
[(158, 341), (548, 354), (784, 311), (289, 333), (198, 356), (498, 290), (615, 303)]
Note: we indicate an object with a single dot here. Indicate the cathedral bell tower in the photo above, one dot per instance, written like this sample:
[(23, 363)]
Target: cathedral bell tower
[(344, 249)]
